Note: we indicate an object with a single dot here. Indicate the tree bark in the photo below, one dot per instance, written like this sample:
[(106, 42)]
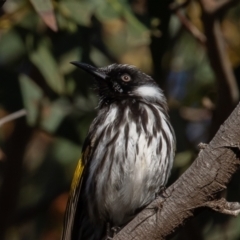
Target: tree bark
[(198, 188)]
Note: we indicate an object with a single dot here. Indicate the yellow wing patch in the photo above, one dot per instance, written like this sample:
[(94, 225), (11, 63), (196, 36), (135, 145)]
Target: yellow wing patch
[(77, 176)]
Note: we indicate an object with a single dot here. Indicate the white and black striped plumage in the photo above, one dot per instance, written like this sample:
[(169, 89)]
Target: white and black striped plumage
[(127, 156)]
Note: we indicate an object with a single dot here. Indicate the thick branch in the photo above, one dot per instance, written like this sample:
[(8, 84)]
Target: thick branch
[(196, 188)]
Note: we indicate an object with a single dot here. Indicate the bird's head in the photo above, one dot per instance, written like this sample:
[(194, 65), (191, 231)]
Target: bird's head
[(121, 81)]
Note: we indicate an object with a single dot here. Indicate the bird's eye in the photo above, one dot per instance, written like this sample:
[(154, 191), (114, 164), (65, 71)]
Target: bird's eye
[(126, 78)]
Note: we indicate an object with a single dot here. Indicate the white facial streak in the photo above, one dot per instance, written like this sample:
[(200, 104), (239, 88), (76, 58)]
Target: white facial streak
[(149, 92)]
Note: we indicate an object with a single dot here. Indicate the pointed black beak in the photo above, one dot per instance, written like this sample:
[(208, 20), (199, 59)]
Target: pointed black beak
[(90, 69)]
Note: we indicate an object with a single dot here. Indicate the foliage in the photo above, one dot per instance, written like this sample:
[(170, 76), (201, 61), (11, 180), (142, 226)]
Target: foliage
[(39, 39)]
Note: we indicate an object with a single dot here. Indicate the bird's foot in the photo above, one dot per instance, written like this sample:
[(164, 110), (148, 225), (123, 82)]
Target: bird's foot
[(161, 193), (109, 232), (202, 146), (112, 231), (115, 230)]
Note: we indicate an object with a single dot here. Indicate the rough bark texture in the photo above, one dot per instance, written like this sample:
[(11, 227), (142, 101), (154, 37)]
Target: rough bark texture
[(197, 188)]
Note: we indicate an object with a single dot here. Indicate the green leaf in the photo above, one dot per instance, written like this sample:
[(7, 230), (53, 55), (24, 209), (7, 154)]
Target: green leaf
[(79, 11), (98, 58), (44, 61), (30, 21), (32, 96), (53, 114), (50, 114), (11, 47), (66, 152), (106, 12), (115, 9), (64, 63), (67, 155), (126, 31), (66, 24), (45, 9)]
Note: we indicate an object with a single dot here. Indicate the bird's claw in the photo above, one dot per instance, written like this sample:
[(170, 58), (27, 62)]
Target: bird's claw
[(161, 193), (202, 146), (115, 229)]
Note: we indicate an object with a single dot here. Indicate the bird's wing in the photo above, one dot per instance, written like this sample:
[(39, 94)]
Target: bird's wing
[(73, 207)]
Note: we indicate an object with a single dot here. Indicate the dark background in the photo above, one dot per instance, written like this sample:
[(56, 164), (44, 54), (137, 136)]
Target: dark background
[(39, 151)]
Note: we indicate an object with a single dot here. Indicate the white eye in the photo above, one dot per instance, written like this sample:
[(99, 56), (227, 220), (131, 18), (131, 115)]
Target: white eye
[(126, 78)]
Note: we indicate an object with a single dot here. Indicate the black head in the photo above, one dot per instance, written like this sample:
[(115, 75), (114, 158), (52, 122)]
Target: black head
[(121, 81)]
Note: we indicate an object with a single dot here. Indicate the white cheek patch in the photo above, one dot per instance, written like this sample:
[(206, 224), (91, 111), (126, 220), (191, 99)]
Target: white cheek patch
[(149, 92)]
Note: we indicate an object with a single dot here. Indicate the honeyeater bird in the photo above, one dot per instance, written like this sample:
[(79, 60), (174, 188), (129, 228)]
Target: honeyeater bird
[(127, 155)]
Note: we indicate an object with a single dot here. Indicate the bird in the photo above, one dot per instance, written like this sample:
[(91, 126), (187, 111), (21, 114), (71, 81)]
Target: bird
[(127, 155)]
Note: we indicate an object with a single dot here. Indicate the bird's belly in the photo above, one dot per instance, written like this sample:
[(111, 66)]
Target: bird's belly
[(129, 166), (129, 189), (122, 202)]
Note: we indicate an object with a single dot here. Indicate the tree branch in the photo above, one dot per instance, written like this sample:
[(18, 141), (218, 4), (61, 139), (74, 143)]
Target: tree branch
[(215, 45), (197, 188), (222, 206), (214, 7), (176, 8), (216, 49), (191, 27), (13, 116)]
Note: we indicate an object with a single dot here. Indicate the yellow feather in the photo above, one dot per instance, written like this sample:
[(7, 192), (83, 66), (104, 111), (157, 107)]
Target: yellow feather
[(77, 175)]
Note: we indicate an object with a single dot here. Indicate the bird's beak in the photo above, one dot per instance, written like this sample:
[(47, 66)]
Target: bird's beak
[(90, 69)]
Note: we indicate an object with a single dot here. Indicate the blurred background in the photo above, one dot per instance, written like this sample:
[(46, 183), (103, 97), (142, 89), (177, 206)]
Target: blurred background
[(46, 104)]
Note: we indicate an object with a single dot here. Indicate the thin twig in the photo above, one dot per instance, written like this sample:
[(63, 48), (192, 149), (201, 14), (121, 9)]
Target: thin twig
[(176, 6), (221, 65), (191, 28), (214, 7), (13, 116)]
